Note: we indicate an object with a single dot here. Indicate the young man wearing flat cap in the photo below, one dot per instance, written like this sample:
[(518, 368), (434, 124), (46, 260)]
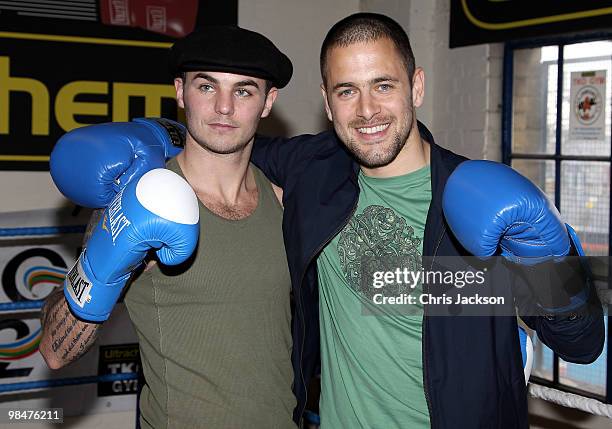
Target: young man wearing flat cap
[(215, 331)]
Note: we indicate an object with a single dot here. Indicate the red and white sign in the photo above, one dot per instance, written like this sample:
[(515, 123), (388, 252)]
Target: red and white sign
[(175, 18), (587, 105)]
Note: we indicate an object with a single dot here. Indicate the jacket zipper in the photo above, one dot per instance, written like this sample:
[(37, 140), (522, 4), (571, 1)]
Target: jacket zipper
[(424, 348), (301, 413), (321, 246)]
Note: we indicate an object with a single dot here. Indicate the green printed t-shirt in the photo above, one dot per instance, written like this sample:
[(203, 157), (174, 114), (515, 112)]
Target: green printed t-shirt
[(371, 359)]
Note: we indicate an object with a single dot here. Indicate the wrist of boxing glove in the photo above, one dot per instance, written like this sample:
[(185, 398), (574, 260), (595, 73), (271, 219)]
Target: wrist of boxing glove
[(560, 286), (154, 142), (89, 299), (172, 133)]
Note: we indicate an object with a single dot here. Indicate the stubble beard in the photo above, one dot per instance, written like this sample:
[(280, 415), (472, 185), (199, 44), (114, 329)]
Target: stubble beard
[(378, 157)]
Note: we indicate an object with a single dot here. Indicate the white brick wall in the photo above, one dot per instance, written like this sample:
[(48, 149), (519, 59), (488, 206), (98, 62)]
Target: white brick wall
[(463, 85)]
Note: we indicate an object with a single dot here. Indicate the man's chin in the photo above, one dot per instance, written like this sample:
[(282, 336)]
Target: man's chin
[(373, 160), (225, 148), (226, 151), (376, 153), (222, 147)]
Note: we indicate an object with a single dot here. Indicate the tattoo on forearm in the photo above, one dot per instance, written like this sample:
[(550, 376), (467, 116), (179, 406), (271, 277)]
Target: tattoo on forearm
[(50, 310), (57, 326), (67, 337), (83, 346), (72, 343), (70, 337), (57, 343)]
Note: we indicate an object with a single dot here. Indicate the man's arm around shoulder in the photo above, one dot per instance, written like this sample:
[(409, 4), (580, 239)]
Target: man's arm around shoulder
[(280, 157)]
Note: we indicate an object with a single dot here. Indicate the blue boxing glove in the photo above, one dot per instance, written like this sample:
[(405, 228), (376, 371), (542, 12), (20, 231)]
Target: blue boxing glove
[(490, 206), (158, 211), (89, 165)]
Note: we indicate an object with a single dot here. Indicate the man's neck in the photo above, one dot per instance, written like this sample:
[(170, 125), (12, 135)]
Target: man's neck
[(225, 178), (413, 156)]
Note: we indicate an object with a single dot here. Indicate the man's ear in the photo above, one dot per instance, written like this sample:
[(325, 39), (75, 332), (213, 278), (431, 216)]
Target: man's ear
[(270, 99), (326, 103), (418, 87), (178, 86)]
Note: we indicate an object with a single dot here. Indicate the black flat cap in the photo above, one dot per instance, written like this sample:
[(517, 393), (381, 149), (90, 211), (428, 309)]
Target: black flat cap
[(231, 49)]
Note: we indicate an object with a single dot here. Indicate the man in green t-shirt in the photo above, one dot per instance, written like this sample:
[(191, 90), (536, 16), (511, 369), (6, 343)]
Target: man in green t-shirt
[(371, 366), (364, 203), (385, 365)]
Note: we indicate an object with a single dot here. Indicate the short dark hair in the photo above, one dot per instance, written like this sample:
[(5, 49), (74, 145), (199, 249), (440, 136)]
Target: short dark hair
[(269, 85), (367, 27)]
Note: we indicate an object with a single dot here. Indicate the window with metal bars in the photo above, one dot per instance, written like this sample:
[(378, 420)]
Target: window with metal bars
[(556, 130)]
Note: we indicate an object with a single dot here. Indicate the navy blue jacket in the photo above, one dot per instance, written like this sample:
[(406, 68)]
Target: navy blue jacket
[(472, 366)]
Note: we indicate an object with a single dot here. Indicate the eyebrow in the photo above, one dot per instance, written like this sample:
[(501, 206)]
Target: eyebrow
[(374, 81), (205, 76), (247, 82), (383, 79)]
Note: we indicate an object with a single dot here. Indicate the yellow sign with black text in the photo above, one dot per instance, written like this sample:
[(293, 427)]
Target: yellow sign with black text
[(51, 84)]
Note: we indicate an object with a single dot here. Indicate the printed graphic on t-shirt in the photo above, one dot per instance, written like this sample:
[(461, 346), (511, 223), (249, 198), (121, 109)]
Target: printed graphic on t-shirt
[(378, 240)]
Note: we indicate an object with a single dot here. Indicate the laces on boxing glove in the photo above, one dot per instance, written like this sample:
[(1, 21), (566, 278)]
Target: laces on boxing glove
[(562, 286)]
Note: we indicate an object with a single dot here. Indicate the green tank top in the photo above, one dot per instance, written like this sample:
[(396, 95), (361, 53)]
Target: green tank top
[(214, 333)]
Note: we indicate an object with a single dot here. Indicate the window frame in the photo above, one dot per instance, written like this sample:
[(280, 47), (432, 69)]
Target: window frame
[(557, 157)]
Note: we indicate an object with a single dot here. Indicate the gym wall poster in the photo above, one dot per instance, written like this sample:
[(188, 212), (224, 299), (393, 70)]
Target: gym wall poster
[(64, 65)]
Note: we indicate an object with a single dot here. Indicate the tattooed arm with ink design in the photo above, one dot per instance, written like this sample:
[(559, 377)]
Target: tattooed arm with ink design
[(66, 338)]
